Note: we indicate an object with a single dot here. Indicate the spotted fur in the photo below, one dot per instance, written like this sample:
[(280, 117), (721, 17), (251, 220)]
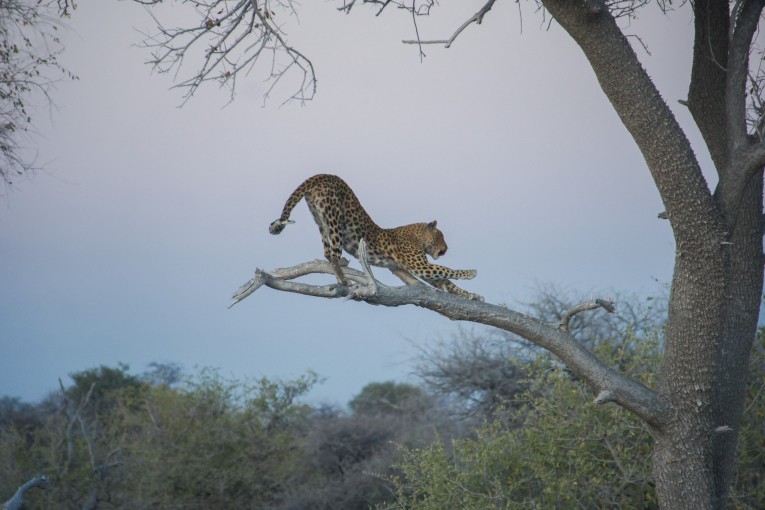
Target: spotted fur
[(343, 222)]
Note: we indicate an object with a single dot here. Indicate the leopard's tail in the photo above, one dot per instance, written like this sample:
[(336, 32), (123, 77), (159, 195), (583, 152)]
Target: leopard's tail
[(300, 192)]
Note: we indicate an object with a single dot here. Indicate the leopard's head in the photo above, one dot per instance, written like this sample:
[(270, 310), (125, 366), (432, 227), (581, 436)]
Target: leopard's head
[(435, 245)]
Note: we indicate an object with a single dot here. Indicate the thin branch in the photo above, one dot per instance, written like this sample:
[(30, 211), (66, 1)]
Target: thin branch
[(416, 31), (88, 443), (745, 18), (348, 5), (606, 304), (630, 394), (72, 420), (237, 36), (477, 18)]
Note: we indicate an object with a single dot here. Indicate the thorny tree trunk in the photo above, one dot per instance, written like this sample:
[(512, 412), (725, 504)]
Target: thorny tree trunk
[(717, 281)]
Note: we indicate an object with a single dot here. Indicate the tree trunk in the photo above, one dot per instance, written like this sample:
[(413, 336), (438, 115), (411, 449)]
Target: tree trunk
[(739, 331), (717, 279)]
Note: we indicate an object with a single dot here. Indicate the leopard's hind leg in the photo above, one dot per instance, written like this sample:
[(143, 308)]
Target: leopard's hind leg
[(330, 237), (405, 276)]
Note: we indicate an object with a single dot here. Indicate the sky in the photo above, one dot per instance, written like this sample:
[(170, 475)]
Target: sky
[(147, 216)]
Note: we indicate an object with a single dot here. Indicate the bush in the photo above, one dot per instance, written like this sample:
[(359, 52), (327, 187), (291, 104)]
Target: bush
[(568, 452), (565, 453)]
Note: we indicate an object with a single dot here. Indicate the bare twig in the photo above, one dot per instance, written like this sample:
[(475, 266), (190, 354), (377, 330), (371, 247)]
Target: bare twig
[(416, 31), (606, 304), (74, 418), (234, 37), (476, 18)]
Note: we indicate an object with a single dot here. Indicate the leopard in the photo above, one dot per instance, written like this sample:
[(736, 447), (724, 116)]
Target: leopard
[(343, 223)]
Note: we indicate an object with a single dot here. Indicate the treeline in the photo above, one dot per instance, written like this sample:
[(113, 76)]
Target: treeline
[(494, 424), (115, 440)]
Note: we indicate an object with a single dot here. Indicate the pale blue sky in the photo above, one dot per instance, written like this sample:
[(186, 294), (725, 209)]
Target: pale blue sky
[(148, 217)]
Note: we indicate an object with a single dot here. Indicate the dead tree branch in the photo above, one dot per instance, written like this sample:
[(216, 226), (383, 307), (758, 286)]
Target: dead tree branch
[(606, 304), (72, 419), (417, 7), (17, 500), (608, 383), (476, 18), (233, 38)]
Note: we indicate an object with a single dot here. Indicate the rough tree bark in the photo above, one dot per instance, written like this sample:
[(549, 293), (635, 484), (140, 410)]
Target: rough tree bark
[(717, 280)]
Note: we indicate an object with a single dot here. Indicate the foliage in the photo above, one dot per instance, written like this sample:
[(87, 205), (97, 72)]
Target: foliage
[(386, 397), (480, 375), (555, 453), (115, 440), (339, 454), (211, 443), (214, 444), (567, 454), (348, 458), (98, 384), (484, 374)]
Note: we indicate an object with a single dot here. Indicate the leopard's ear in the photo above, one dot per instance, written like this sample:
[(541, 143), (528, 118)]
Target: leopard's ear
[(432, 224)]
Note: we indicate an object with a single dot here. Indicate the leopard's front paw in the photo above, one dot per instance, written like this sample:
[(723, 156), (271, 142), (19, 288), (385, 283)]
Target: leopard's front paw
[(469, 274)]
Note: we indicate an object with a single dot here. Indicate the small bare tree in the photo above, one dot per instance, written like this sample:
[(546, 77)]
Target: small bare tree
[(29, 50)]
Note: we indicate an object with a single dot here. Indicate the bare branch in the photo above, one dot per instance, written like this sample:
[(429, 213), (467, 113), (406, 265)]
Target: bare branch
[(606, 304), (76, 417), (274, 278), (349, 4), (745, 18), (630, 394), (477, 18), (233, 38), (17, 501)]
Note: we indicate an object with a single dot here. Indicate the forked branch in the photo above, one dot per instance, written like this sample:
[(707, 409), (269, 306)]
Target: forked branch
[(476, 18), (229, 40), (606, 304), (610, 385)]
